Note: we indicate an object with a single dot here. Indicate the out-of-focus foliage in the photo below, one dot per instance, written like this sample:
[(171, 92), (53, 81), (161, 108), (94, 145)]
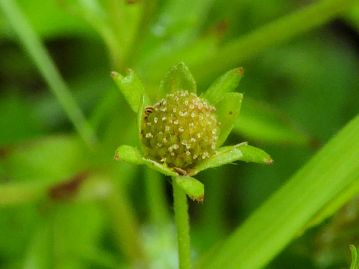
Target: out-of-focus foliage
[(66, 205)]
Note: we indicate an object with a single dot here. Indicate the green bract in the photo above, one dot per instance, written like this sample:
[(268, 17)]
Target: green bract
[(182, 133)]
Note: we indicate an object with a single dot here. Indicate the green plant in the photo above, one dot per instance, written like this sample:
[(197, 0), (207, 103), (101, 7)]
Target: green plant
[(297, 96), (168, 146)]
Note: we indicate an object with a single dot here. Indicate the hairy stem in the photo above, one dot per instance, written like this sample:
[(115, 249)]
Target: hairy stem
[(32, 44), (182, 224)]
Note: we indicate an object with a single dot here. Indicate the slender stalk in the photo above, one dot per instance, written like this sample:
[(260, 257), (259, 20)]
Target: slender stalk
[(279, 31), (32, 44), (182, 224)]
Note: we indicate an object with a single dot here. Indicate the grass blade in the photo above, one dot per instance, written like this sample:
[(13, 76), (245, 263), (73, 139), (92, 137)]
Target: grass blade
[(335, 204), (271, 227), (41, 58)]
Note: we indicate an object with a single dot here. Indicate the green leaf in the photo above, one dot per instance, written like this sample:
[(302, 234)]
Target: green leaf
[(225, 155), (128, 154), (255, 155), (355, 262), (131, 88), (133, 155), (230, 154), (270, 228), (192, 187), (227, 112), (179, 78), (159, 167), (264, 123), (226, 83)]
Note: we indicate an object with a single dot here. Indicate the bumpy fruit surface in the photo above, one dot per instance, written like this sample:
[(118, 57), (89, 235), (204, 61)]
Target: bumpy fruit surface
[(180, 130)]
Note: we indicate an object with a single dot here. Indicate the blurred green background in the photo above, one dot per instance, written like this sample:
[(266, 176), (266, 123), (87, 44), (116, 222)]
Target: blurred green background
[(66, 205)]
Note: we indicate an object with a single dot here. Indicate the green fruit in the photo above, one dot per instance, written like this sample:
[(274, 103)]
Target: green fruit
[(180, 130)]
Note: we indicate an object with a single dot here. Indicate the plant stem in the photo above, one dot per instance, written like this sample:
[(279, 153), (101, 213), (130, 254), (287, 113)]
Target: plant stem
[(182, 224), (37, 51), (279, 31)]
